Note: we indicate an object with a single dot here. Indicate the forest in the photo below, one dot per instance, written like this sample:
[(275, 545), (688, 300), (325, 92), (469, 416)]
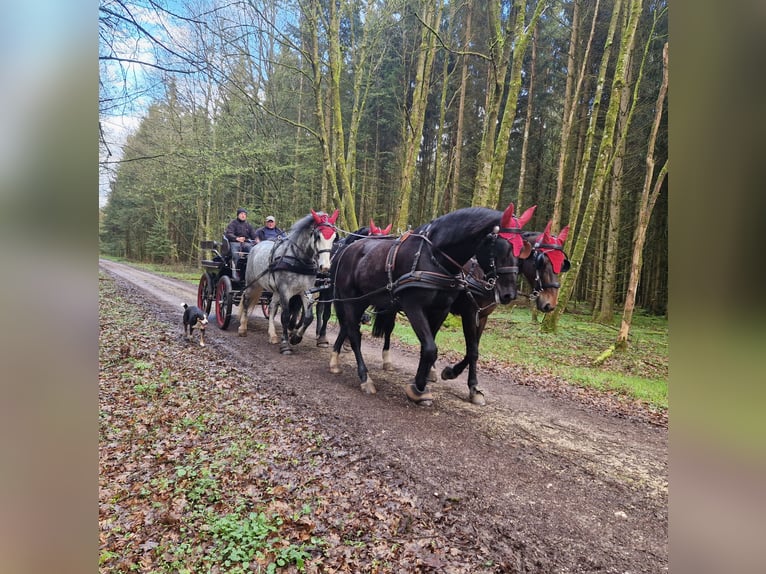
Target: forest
[(397, 111)]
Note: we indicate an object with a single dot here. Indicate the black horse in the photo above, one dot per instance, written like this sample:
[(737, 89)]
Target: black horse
[(541, 268), (420, 273), (324, 301)]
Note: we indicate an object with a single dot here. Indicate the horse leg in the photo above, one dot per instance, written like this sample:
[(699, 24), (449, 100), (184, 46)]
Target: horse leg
[(273, 306), (387, 364), (348, 318), (308, 317), (383, 326), (335, 355), (435, 322), (417, 391), (244, 311), (468, 319), (324, 309), (284, 318)]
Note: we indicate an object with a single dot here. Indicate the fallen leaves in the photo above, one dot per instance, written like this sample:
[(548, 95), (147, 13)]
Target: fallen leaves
[(187, 440)]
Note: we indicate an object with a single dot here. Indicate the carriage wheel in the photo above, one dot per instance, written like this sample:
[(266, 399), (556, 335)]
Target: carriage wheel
[(223, 302), (205, 294)]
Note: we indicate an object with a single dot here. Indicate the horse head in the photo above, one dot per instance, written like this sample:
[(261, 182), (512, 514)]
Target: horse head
[(324, 236), (499, 253), (542, 268)]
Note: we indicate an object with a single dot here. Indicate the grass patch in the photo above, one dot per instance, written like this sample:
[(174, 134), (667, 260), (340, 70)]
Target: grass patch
[(176, 271), (513, 337)]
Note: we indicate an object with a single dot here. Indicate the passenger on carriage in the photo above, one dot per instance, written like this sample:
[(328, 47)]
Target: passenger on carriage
[(241, 236), (269, 231)]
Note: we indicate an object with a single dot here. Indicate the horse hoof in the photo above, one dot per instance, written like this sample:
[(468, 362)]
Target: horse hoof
[(388, 366), (242, 333), (323, 342), (347, 348), (334, 363), (448, 374), (431, 378), (274, 340), (295, 339), (476, 397), (424, 399), (369, 388), (286, 351)]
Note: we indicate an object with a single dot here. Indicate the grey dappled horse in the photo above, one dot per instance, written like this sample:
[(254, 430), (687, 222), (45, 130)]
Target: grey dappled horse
[(288, 267)]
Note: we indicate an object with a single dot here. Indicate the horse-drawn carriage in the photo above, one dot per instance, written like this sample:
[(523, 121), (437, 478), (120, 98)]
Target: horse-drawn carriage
[(223, 282)]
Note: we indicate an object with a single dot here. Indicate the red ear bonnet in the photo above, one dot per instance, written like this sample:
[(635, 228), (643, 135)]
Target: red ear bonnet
[(377, 230), (325, 224), (553, 246), (510, 227)]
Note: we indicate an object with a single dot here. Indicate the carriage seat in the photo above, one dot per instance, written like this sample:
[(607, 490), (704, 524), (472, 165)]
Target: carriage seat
[(235, 258)]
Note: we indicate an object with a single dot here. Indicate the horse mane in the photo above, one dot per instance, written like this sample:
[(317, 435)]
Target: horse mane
[(454, 226), (358, 234), (531, 236), (302, 224)]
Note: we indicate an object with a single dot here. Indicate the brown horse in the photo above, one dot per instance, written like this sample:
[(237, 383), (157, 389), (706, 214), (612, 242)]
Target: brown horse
[(541, 269), (420, 273)]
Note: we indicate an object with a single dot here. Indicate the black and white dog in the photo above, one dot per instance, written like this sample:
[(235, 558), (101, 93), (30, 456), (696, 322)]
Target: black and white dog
[(194, 317)]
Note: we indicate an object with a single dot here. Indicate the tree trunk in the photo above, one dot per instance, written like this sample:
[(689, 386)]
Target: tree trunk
[(491, 177), (527, 122), (604, 311), (414, 127), (441, 173), (453, 203), (603, 159), (647, 203), (571, 107), (500, 55)]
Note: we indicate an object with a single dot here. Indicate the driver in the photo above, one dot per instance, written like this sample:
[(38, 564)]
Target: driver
[(240, 234)]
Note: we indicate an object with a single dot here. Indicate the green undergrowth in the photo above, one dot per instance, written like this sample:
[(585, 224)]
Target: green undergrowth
[(513, 337)]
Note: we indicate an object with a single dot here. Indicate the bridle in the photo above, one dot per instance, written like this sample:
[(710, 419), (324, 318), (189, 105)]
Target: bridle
[(538, 257)]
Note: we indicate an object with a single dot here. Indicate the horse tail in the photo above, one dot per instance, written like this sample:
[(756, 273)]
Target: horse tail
[(383, 323)]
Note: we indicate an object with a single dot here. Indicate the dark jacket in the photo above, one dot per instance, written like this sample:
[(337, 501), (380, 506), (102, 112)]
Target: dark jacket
[(239, 228), (266, 234)]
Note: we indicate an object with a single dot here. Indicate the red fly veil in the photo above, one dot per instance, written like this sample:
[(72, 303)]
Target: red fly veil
[(377, 230), (510, 227), (553, 246), (325, 223)]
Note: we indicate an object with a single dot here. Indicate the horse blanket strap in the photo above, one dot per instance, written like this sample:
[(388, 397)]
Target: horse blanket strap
[(430, 280), (510, 230), (294, 265), (391, 257)]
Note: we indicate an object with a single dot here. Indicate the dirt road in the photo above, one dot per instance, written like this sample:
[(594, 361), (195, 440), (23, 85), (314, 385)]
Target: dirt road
[(560, 486)]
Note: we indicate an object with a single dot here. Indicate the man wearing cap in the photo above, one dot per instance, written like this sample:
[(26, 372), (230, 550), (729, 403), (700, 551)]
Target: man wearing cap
[(270, 231), (241, 236)]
